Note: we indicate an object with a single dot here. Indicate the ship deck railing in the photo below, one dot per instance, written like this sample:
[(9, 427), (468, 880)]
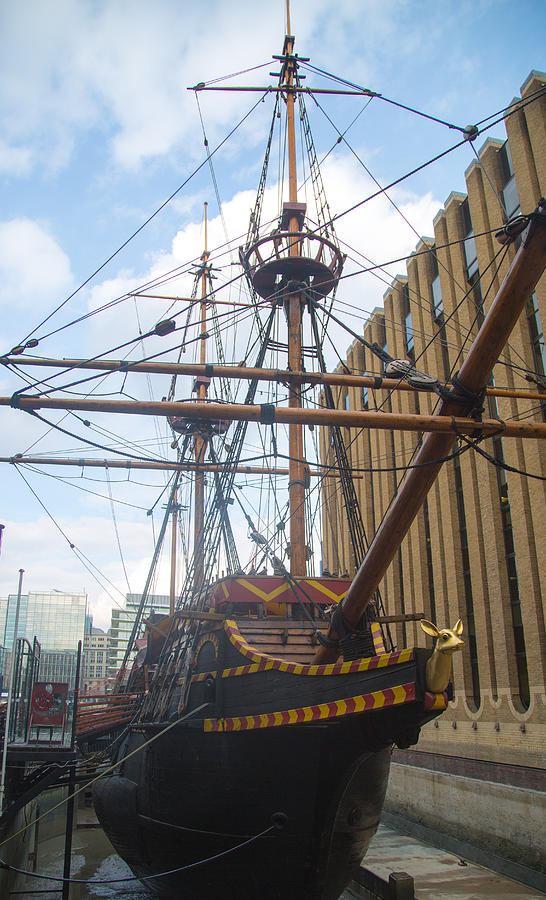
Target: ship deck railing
[(99, 713)]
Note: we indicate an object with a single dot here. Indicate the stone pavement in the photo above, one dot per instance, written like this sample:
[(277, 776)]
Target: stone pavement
[(438, 874)]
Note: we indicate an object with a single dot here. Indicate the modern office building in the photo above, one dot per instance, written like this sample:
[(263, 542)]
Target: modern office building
[(58, 665), (477, 548), (57, 620), (121, 625)]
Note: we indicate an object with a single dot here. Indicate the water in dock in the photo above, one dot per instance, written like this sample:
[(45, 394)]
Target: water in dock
[(438, 875), (93, 859)]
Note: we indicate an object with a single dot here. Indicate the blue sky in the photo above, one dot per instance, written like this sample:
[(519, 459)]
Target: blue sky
[(98, 129)]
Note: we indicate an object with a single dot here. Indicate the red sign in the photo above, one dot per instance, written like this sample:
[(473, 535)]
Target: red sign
[(48, 703)]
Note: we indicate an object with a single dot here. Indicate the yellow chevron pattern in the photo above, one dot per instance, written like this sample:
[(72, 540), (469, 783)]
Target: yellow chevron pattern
[(266, 596), (335, 598), (403, 693)]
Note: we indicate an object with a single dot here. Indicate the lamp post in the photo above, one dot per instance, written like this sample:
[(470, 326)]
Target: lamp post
[(10, 694)]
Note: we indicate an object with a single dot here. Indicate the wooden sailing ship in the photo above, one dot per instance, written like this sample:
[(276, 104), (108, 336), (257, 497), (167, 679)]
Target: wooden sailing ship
[(258, 763)]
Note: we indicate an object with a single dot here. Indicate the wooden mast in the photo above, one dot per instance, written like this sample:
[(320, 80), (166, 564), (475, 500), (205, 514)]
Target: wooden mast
[(199, 442), (174, 527), (293, 303)]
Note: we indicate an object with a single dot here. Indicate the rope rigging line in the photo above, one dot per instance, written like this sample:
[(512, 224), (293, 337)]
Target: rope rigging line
[(213, 515), (508, 110), (498, 258), (514, 107), (146, 222), (377, 96), (213, 175), (71, 482), (145, 596), (357, 531), (190, 715), (233, 75), (388, 398), (171, 275), (84, 560), (326, 224), (341, 137), (499, 464), (230, 317), (143, 878), (88, 441), (229, 542), (237, 278), (116, 529), (367, 269)]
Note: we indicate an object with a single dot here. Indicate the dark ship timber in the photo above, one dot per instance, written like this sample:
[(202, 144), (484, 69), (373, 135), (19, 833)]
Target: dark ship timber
[(258, 764), (275, 740)]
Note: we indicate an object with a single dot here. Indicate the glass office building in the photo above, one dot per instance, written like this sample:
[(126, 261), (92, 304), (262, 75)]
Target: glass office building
[(57, 620)]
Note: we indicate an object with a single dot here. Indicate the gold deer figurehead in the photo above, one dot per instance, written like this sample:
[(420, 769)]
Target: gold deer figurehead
[(438, 668)]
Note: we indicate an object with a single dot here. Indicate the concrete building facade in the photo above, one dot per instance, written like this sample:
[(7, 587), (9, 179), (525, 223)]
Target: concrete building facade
[(95, 662), (476, 550), (121, 625)]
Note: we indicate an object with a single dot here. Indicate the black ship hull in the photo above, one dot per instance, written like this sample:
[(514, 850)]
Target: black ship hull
[(190, 797), (245, 743)]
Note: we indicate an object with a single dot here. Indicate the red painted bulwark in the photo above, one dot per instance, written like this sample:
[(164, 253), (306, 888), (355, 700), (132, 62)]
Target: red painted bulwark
[(275, 592)]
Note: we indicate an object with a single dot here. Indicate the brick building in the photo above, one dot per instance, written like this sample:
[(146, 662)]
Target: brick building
[(477, 548)]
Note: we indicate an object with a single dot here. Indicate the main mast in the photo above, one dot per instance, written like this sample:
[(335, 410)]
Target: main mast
[(293, 304), (199, 440), (292, 266)]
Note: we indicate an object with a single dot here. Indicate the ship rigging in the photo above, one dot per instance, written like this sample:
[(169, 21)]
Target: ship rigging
[(271, 695)]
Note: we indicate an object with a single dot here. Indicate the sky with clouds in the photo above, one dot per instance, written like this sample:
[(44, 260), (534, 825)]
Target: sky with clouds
[(98, 128)]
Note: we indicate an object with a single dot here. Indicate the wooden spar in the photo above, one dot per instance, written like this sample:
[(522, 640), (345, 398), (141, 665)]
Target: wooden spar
[(376, 382), (280, 90), (515, 290), (445, 423), (20, 460)]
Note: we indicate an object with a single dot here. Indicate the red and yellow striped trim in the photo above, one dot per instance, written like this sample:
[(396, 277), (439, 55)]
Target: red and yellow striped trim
[(403, 693), (208, 638), (377, 635), (263, 662), (435, 701)]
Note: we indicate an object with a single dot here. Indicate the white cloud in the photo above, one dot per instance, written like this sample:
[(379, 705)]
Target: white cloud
[(33, 267), (124, 68), (14, 160)]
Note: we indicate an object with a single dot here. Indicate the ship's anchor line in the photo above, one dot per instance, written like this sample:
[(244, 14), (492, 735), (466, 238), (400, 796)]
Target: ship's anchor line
[(277, 826), (192, 714)]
